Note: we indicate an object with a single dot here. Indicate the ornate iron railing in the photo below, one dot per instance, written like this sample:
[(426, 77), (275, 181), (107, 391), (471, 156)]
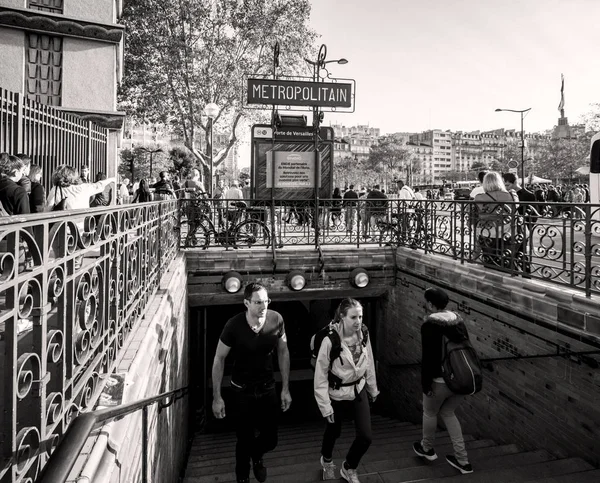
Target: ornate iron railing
[(72, 288), (556, 242)]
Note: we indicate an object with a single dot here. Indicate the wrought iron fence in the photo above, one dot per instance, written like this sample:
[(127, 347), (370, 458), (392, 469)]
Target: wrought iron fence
[(50, 136), (72, 288), (556, 242)]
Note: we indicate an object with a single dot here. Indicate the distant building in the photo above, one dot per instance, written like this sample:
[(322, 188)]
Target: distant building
[(67, 54), (359, 139)]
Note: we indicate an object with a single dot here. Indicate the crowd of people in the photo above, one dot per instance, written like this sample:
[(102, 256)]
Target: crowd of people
[(344, 383)]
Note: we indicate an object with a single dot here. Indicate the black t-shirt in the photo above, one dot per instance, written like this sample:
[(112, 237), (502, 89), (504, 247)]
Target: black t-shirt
[(253, 352)]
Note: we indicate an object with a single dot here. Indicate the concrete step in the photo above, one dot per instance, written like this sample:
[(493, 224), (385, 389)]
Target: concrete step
[(390, 458), (591, 476), (304, 467), (510, 474)]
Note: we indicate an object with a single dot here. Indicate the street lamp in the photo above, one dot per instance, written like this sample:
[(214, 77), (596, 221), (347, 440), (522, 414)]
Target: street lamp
[(151, 152), (212, 111), (317, 118), (523, 111)]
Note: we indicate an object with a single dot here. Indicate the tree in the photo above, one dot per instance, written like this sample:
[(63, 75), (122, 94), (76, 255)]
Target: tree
[(135, 162), (389, 157), (181, 55), (183, 161)]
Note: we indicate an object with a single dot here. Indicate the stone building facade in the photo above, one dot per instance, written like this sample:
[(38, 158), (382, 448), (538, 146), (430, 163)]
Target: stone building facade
[(67, 54)]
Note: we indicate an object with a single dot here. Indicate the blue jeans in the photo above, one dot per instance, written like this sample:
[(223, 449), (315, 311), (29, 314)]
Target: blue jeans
[(443, 402), (255, 408)]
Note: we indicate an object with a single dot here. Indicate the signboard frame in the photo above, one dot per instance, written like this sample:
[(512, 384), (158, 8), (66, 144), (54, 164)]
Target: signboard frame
[(289, 139), (307, 83)]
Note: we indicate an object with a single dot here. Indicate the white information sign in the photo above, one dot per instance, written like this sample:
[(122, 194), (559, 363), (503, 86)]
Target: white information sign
[(292, 169)]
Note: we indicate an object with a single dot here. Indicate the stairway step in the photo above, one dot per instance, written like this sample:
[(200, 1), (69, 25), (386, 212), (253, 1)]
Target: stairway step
[(591, 476), (282, 449), (511, 474), (221, 469), (310, 457), (399, 461), (291, 430), (308, 437)]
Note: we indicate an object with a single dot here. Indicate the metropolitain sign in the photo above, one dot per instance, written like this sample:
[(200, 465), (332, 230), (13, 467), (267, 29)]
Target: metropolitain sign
[(299, 93)]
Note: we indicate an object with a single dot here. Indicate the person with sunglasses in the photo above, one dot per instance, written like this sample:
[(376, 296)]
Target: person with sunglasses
[(253, 335)]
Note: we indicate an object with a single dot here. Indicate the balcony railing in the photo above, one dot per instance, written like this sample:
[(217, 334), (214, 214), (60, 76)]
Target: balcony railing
[(555, 242), (72, 289)]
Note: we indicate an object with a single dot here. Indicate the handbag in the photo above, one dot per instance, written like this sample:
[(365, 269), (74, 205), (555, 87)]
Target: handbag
[(61, 205)]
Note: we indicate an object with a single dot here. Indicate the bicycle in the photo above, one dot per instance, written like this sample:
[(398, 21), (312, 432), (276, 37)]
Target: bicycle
[(237, 232), (410, 228)]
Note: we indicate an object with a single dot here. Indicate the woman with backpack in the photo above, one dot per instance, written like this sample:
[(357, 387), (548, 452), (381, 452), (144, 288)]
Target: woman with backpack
[(344, 382), (438, 399)]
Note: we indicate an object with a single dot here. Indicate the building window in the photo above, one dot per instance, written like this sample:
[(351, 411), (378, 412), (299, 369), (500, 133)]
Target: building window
[(43, 80), (53, 6)]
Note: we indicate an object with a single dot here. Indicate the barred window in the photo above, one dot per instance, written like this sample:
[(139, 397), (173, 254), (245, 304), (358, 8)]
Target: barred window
[(53, 6), (43, 80)]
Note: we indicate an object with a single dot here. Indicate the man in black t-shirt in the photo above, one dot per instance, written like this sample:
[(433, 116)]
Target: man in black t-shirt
[(253, 336)]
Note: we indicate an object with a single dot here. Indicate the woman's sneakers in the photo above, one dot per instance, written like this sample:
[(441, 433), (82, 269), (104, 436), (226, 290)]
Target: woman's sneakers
[(464, 469), (328, 469), (349, 474), (428, 455)]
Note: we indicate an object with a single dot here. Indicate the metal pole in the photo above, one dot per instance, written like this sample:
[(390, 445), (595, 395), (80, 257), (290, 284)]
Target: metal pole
[(316, 128), (522, 153), (210, 187), (151, 154), (145, 444)]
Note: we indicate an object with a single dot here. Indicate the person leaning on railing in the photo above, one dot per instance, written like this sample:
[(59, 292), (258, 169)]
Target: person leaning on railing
[(67, 186), (494, 220)]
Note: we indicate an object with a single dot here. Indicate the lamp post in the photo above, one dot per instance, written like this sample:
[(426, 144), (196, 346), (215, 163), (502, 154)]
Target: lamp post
[(522, 112), (212, 111), (151, 152), (317, 118)]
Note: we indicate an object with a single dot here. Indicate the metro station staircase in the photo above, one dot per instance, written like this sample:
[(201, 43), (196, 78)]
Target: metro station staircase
[(389, 460)]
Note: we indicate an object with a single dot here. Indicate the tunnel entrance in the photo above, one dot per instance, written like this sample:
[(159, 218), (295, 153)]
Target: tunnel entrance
[(302, 319)]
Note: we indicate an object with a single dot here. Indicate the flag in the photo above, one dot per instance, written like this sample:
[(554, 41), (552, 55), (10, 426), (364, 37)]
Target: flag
[(561, 106)]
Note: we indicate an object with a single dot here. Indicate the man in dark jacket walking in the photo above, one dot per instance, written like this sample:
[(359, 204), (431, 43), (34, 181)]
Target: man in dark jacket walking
[(437, 397)]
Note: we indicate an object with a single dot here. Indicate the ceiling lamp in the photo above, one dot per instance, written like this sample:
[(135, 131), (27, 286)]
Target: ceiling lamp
[(232, 282), (359, 278), (296, 280)]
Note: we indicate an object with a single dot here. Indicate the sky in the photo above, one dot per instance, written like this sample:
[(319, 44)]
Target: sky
[(439, 64)]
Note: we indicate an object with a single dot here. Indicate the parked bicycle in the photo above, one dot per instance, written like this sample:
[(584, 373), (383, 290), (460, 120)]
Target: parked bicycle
[(237, 231), (409, 228)]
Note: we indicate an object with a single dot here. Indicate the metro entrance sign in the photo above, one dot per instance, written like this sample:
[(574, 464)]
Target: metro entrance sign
[(299, 93)]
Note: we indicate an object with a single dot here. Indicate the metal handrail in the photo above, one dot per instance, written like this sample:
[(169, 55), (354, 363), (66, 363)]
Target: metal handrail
[(64, 457)]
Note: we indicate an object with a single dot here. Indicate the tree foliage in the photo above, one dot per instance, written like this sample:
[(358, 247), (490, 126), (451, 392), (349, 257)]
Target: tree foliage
[(181, 55), (135, 163), (390, 156)]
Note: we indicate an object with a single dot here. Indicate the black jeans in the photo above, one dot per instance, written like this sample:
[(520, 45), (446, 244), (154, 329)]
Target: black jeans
[(255, 408), (361, 411)]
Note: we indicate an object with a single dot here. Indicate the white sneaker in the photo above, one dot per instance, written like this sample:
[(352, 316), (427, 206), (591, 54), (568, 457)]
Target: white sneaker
[(348, 474), (328, 469)]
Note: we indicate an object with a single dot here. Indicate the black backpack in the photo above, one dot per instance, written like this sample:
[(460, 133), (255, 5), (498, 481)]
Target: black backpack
[(461, 368), (336, 349)]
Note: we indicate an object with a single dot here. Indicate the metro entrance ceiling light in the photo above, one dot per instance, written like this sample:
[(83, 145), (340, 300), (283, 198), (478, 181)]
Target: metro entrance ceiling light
[(359, 278), (232, 282), (296, 280)]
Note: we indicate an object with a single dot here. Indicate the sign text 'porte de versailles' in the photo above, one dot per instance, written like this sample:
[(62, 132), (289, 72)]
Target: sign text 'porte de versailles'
[(299, 93)]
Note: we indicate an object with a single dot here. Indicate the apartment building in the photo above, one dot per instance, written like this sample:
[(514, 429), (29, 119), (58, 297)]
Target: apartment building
[(359, 139)]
